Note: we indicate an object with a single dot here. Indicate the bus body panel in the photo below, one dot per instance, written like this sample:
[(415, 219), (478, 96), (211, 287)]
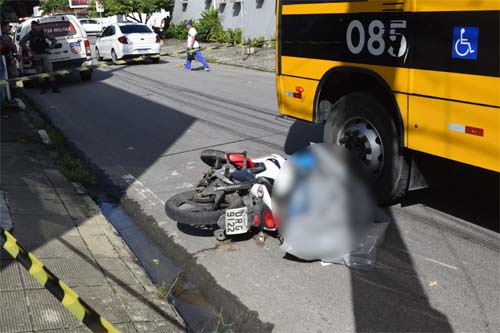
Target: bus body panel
[(462, 132), (449, 105)]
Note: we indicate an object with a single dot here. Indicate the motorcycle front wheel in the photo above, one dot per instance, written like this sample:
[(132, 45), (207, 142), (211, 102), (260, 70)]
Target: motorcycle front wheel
[(182, 208)]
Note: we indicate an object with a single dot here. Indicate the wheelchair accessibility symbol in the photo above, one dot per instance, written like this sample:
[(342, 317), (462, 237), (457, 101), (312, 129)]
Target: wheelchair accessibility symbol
[(465, 42)]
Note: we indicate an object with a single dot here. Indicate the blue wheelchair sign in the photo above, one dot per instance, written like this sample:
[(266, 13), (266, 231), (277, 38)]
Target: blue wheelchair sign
[(465, 42)]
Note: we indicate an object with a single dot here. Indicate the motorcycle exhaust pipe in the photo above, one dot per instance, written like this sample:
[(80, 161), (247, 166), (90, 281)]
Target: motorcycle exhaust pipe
[(235, 187)]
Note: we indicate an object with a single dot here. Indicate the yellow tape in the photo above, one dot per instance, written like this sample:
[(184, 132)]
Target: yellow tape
[(107, 325), (37, 270), (11, 245), (71, 301), (123, 62), (63, 72)]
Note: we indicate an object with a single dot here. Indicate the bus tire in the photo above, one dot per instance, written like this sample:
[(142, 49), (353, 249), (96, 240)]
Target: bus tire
[(360, 123)]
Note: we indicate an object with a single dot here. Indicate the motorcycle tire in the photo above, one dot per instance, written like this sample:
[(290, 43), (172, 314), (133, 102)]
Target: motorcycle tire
[(199, 214), (211, 156)]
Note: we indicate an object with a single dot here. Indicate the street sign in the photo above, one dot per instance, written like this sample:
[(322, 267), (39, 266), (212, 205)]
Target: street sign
[(99, 7)]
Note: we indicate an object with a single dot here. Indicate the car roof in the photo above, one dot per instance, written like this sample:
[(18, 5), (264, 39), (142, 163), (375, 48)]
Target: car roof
[(130, 23)]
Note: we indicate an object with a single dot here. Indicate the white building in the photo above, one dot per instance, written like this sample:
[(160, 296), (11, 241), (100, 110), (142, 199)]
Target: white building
[(255, 17)]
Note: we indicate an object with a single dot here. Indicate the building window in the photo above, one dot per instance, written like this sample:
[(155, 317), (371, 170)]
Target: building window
[(236, 9)]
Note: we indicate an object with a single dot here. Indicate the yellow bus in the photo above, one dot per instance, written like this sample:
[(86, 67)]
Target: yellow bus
[(388, 77)]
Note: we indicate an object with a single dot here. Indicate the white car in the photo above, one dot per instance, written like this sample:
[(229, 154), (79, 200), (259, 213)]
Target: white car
[(91, 26), (125, 40), (72, 50)]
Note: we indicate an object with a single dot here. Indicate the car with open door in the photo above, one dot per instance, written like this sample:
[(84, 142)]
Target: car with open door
[(72, 49)]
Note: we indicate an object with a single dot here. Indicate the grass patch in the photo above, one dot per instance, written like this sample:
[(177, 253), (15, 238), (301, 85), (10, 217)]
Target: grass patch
[(211, 59), (74, 170), (56, 138), (221, 326), (163, 292)]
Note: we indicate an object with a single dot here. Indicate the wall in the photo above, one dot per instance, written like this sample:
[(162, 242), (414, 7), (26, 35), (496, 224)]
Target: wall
[(258, 15)]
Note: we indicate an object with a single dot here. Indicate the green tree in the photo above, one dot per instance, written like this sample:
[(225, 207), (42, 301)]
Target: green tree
[(129, 7), (209, 26), (52, 6)]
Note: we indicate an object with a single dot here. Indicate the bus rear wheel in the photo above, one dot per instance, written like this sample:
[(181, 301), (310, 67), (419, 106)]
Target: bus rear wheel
[(359, 123)]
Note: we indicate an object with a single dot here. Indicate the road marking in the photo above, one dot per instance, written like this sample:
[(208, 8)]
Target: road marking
[(438, 262)]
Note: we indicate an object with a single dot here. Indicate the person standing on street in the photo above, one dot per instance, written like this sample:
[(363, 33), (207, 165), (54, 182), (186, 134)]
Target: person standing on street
[(193, 48), (39, 47), (10, 53)]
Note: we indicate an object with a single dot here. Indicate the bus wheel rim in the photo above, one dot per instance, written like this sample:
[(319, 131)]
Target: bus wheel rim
[(362, 138)]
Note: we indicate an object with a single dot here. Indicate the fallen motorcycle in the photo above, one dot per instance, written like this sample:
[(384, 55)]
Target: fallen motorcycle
[(234, 195)]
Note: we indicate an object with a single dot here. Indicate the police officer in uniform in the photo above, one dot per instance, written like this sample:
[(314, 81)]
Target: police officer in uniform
[(39, 47)]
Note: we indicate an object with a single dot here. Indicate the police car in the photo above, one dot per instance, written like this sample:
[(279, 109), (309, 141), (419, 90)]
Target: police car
[(72, 49)]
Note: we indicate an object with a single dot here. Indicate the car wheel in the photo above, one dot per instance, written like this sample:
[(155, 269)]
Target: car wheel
[(114, 58), (98, 54), (86, 76), (361, 124), (155, 60)]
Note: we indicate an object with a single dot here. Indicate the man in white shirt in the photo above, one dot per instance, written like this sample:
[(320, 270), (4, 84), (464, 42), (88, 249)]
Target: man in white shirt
[(193, 48)]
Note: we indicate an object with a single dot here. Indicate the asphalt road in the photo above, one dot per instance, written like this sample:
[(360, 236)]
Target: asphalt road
[(144, 125)]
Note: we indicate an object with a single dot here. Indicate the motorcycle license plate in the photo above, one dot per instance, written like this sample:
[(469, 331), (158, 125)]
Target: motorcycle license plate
[(236, 221)]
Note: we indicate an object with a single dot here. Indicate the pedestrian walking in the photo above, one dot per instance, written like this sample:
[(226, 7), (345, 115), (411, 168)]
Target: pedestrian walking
[(39, 48), (10, 52), (193, 48)]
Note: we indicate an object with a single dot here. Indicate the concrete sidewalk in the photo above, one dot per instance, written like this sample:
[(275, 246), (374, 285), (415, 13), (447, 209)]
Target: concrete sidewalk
[(72, 238)]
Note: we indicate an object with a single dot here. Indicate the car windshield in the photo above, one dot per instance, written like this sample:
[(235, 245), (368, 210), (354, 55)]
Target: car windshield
[(134, 28), (58, 29)]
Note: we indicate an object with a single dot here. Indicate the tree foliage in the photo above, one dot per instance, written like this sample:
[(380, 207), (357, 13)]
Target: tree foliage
[(129, 7), (209, 26)]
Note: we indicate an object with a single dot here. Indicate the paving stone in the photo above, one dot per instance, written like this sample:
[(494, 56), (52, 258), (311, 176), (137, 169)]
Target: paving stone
[(92, 226), (140, 274), (32, 193), (14, 315), (48, 313), (117, 272), (10, 278), (126, 328), (144, 307), (76, 272), (61, 247), (105, 302), (43, 227), (100, 246), (167, 327), (122, 249), (24, 179), (37, 207), (28, 281), (76, 208), (57, 179)]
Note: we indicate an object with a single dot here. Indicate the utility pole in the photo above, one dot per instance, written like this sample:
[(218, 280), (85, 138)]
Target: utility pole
[(242, 15)]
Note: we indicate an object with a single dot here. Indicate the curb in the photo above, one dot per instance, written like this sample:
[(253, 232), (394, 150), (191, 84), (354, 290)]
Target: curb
[(220, 62)]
